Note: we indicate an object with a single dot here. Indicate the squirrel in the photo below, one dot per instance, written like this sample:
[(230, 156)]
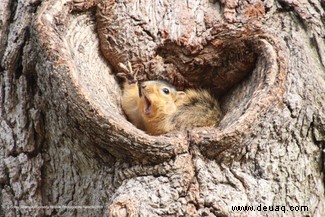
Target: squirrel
[(157, 107)]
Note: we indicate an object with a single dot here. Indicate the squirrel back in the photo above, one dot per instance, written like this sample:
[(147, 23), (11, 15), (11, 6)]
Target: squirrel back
[(198, 109)]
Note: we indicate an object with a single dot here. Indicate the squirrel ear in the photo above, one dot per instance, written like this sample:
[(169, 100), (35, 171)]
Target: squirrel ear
[(180, 96)]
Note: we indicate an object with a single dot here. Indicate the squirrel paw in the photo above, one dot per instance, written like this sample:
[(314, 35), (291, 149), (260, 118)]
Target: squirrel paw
[(126, 78), (128, 74)]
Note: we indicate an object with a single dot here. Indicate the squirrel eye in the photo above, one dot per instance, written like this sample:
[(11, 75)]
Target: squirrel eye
[(166, 90)]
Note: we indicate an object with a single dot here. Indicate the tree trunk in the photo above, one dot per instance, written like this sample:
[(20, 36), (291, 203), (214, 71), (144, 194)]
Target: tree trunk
[(68, 150)]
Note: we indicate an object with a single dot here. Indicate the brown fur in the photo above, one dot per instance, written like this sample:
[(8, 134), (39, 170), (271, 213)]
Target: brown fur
[(158, 112), (198, 109), (130, 104)]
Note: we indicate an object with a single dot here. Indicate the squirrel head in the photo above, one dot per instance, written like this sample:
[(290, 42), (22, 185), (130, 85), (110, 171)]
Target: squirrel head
[(158, 98)]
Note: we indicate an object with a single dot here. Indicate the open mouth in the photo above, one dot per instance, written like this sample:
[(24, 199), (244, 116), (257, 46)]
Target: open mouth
[(148, 105)]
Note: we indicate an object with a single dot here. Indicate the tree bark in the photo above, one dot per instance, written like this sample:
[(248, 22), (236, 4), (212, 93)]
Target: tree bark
[(68, 150)]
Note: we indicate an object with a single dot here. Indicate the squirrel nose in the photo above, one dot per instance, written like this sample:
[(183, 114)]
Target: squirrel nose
[(143, 86)]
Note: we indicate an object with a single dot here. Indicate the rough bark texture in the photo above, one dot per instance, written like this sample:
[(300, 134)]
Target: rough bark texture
[(64, 140)]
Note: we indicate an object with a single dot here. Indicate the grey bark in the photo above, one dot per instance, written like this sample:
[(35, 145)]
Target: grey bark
[(65, 142)]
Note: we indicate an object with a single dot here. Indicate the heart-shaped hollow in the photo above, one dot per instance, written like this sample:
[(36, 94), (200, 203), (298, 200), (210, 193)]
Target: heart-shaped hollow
[(249, 84)]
